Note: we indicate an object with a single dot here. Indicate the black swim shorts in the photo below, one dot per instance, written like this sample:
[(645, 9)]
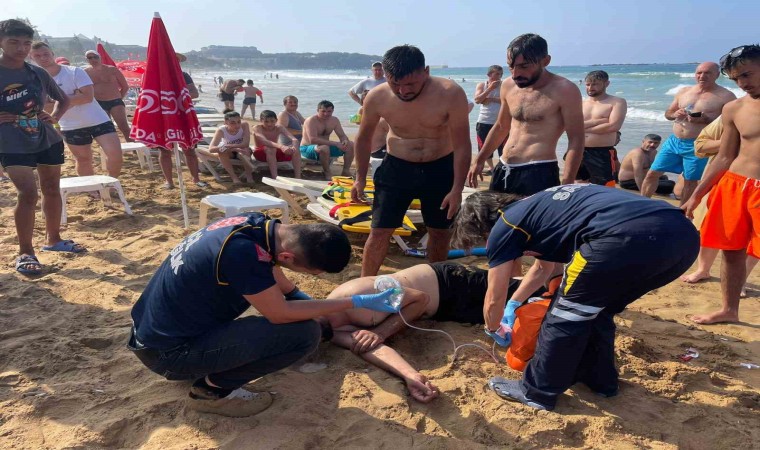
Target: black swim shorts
[(525, 179), (664, 186), (462, 290), (107, 105), (248, 100), (225, 97), (481, 132), (51, 156), (398, 182), (598, 166), (84, 136)]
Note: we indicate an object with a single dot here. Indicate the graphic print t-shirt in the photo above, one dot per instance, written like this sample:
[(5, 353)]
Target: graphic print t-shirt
[(23, 93)]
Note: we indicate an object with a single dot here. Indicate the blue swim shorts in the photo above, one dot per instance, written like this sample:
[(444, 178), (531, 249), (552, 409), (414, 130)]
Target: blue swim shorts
[(677, 156), (310, 152)]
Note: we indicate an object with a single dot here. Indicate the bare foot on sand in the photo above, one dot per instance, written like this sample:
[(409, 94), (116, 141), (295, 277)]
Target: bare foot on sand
[(695, 277), (715, 317)]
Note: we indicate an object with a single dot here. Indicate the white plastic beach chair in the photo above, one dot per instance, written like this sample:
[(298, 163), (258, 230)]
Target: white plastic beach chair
[(94, 183)]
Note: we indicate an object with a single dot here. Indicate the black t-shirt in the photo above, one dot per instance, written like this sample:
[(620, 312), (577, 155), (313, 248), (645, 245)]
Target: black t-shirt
[(23, 93), (202, 283), (555, 222)]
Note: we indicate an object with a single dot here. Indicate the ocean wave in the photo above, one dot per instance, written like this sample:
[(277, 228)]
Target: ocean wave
[(686, 75), (737, 92), (648, 114), (674, 91), (322, 76)]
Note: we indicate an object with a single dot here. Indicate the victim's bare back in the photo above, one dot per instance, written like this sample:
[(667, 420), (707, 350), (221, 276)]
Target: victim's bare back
[(420, 277), (709, 103), (536, 120), (418, 130), (105, 82), (314, 127)]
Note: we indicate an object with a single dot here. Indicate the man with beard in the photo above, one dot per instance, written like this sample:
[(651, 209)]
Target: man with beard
[(537, 106), (428, 148), (603, 116)]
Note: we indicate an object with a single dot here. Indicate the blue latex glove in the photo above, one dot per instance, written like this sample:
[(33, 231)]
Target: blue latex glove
[(509, 313), (375, 302), (297, 294), (500, 341)]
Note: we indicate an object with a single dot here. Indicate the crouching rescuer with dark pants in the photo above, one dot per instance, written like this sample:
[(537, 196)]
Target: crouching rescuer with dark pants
[(186, 324), (616, 246)]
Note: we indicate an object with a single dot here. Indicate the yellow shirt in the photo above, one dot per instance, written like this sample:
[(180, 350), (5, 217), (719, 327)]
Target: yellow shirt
[(711, 132)]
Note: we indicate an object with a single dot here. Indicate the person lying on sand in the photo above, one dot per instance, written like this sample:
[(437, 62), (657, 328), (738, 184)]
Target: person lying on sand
[(442, 291)]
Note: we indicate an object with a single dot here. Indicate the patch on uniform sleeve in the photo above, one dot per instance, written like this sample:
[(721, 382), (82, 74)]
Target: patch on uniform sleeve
[(228, 222), (262, 254)]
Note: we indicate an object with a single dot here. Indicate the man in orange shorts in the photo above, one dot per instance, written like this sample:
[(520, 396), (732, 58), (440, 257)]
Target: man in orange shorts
[(269, 149), (732, 222)]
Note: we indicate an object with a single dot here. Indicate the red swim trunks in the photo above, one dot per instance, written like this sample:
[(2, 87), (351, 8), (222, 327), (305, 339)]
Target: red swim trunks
[(733, 215), (260, 154)]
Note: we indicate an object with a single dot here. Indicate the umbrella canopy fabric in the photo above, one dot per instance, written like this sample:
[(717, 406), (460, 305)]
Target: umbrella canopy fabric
[(105, 58), (132, 65), (164, 114), (134, 79)]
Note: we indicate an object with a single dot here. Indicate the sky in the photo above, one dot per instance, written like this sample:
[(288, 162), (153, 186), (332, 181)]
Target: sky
[(456, 33)]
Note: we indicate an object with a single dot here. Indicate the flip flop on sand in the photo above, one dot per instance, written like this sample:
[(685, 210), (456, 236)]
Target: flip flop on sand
[(167, 186), (201, 184), (28, 265), (67, 246), (4, 179)]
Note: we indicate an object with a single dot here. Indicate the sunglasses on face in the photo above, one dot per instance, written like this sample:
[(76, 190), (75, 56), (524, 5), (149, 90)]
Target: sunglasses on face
[(93, 57)]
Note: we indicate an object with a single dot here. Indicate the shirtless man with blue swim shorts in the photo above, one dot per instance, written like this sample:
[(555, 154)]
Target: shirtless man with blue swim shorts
[(692, 109)]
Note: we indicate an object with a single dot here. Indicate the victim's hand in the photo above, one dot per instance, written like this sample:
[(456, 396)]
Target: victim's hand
[(420, 388), (363, 341)]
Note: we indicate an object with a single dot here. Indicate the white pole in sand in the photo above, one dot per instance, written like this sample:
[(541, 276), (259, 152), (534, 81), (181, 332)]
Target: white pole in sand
[(181, 185)]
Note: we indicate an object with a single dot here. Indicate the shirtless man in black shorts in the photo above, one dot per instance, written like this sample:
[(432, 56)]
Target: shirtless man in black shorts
[(428, 153), (227, 92), (540, 106)]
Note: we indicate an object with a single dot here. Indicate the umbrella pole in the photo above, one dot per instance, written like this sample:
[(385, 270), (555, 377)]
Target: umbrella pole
[(181, 183)]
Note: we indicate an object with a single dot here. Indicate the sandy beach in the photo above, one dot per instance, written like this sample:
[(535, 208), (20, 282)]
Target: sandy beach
[(67, 380)]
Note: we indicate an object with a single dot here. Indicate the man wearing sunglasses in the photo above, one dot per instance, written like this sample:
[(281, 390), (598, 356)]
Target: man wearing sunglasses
[(692, 109), (732, 223), (110, 89)]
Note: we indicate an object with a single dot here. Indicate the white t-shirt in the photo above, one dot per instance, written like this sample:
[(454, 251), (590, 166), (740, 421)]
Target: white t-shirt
[(90, 114), (366, 85)]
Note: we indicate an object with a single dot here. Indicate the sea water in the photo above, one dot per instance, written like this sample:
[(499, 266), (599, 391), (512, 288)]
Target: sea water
[(648, 89)]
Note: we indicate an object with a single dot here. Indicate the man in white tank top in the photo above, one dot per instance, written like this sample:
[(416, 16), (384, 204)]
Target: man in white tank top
[(487, 96)]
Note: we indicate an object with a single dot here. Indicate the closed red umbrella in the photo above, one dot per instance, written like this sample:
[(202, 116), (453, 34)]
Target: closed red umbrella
[(164, 115), (105, 58)]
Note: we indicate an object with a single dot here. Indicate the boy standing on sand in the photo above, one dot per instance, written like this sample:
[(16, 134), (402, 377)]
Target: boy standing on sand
[(28, 141)]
